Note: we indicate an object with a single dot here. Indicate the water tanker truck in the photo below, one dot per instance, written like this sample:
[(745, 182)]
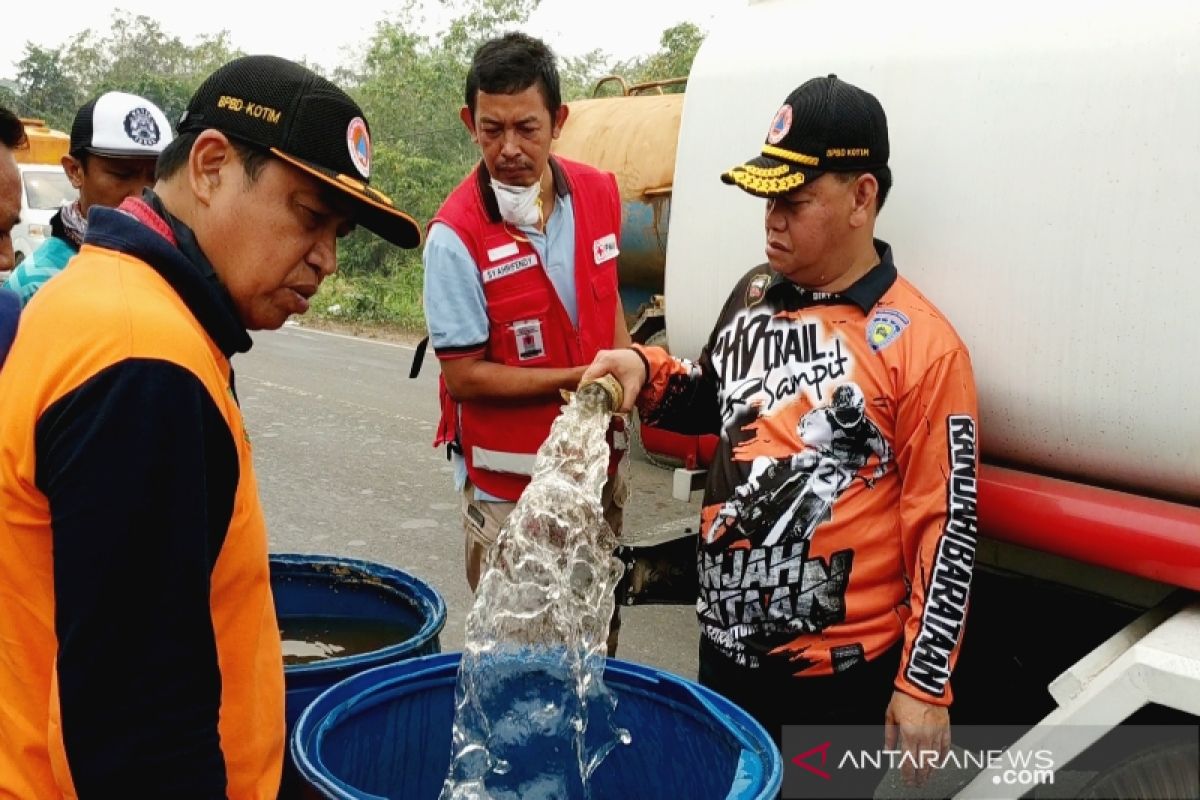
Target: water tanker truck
[(634, 136), (1047, 187), (44, 144)]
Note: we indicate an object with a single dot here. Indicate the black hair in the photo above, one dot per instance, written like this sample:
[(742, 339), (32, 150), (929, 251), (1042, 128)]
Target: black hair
[(12, 130), (175, 156), (883, 176), (511, 64)]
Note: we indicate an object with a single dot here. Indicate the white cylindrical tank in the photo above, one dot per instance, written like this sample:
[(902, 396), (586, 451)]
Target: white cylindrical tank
[(1047, 198)]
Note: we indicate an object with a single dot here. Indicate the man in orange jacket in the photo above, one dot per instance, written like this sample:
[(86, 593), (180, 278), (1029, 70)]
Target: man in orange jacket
[(141, 654)]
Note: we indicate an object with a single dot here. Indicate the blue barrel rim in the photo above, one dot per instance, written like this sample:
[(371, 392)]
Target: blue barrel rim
[(429, 601), (369, 687)]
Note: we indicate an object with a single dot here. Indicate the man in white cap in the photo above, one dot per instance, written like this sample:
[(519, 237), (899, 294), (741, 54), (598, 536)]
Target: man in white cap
[(115, 142)]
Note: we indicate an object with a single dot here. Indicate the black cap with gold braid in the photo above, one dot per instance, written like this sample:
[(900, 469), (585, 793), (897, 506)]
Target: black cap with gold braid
[(825, 125), (308, 122)]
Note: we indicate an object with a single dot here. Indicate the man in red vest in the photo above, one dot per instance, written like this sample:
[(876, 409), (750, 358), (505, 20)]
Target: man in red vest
[(520, 288)]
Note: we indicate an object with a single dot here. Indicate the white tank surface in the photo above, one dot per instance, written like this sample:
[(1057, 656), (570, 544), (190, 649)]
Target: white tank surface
[(1047, 198)]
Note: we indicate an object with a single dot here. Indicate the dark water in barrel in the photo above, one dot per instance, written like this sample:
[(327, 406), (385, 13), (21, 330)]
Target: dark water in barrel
[(316, 638)]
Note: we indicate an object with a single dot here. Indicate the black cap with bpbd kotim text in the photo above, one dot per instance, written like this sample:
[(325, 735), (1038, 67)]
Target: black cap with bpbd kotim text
[(824, 125), (306, 121)]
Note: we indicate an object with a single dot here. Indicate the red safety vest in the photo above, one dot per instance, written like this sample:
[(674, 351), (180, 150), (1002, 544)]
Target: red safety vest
[(529, 327)]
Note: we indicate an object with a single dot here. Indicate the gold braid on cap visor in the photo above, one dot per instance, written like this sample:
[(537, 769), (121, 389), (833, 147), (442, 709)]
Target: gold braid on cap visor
[(766, 180)]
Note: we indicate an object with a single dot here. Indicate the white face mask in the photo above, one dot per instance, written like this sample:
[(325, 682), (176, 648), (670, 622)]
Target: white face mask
[(519, 205)]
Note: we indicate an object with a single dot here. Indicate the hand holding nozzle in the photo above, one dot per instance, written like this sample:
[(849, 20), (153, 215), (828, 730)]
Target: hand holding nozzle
[(626, 369)]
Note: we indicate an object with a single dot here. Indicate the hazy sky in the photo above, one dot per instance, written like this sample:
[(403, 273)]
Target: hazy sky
[(622, 28)]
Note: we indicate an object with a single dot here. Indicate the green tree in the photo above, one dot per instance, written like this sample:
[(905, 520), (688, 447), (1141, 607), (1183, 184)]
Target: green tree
[(11, 99), (47, 89), (135, 55), (410, 83), (406, 85), (677, 50), (408, 78), (480, 20), (579, 74)]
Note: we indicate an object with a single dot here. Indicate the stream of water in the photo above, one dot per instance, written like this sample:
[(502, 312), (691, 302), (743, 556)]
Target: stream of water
[(533, 718)]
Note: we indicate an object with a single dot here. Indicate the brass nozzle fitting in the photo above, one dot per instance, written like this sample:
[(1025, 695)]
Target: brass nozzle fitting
[(611, 387)]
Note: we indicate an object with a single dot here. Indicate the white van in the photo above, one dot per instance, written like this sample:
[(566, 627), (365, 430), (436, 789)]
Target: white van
[(44, 190)]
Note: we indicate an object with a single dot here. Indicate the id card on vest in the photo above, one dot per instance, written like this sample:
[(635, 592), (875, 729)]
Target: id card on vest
[(528, 335)]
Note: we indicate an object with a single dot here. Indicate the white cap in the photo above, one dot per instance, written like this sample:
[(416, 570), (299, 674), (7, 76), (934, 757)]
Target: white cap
[(121, 125)]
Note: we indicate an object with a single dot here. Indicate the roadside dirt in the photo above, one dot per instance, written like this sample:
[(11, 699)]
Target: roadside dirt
[(386, 333)]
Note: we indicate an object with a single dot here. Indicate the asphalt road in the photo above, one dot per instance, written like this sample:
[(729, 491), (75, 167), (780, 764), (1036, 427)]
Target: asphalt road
[(342, 447)]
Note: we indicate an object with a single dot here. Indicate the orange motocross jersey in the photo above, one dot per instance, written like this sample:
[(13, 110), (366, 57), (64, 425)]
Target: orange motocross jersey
[(839, 514)]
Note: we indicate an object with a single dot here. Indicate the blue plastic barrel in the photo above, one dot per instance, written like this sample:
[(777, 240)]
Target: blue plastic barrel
[(315, 586), (310, 586), (385, 733)]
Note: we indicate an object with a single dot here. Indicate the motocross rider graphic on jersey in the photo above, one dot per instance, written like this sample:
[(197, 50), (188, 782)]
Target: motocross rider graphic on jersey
[(799, 435), (784, 500)]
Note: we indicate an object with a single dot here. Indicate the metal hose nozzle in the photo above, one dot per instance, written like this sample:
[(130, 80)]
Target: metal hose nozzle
[(613, 394)]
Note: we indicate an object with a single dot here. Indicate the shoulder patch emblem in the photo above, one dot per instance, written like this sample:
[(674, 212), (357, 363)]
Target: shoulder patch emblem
[(756, 290), (885, 327)]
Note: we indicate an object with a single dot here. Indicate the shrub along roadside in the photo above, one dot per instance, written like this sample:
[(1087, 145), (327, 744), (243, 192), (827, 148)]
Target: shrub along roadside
[(391, 299)]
